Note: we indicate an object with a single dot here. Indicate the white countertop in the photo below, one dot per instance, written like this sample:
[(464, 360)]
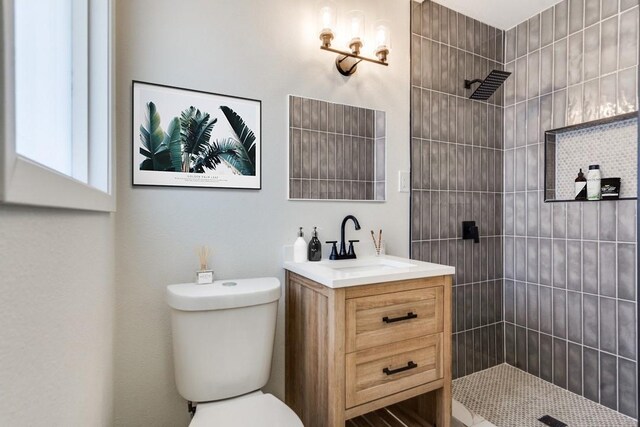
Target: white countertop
[(366, 270)]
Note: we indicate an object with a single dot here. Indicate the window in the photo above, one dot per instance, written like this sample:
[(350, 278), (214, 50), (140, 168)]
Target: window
[(57, 90)]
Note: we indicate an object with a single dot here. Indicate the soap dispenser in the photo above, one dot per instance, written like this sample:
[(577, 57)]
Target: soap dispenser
[(315, 247), (300, 248)]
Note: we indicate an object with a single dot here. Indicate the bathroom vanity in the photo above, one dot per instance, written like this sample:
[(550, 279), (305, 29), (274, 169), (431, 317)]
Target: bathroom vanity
[(367, 334)]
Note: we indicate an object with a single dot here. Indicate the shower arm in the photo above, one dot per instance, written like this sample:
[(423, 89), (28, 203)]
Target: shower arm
[(468, 83)]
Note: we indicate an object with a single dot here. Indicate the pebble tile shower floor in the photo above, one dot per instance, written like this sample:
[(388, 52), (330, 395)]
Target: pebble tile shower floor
[(509, 397)]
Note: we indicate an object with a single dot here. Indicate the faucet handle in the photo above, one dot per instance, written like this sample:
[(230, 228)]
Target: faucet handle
[(334, 249), (351, 251)]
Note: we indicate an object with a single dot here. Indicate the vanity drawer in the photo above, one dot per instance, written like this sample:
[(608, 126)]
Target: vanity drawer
[(380, 319), (381, 371)]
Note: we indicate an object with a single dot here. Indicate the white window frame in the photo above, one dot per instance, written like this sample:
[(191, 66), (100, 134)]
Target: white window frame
[(23, 181)]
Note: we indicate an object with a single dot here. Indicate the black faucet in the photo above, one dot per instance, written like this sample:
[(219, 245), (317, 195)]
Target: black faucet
[(344, 253)]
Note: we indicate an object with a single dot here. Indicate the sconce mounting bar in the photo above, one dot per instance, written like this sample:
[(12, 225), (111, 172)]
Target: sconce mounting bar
[(353, 55)]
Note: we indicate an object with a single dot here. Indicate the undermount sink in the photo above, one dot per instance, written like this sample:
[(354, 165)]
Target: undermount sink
[(369, 265)]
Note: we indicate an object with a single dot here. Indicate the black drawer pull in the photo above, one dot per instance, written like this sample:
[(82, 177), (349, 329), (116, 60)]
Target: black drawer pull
[(410, 365), (410, 315)]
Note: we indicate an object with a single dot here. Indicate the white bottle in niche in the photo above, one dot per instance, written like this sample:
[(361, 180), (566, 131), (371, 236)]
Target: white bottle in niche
[(300, 248), (594, 182)]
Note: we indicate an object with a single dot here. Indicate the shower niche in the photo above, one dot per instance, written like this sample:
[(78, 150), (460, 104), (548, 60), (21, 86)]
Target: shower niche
[(610, 142)]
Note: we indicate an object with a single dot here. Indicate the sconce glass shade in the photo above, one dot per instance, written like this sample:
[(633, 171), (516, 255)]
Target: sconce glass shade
[(382, 35), (355, 30), (327, 18)]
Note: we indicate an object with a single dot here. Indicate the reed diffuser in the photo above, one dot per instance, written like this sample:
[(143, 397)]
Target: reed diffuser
[(204, 275), (378, 243)]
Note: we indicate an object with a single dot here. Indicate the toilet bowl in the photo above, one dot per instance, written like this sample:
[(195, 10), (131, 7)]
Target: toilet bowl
[(255, 409), (223, 336)]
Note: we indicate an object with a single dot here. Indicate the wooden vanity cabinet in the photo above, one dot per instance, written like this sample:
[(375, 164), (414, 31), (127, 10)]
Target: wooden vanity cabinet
[(353, 350)]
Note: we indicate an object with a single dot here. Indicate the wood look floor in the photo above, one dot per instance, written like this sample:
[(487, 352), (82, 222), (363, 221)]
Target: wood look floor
[(393, 416)]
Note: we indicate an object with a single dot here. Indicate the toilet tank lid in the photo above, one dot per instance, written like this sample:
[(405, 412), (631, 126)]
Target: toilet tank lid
[(223, 294)]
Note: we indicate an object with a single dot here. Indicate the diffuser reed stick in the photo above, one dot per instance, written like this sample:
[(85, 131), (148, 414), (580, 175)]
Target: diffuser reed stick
[(203, 255)]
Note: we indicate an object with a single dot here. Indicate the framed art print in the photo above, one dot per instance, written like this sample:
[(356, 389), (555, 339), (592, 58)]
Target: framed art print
[(189, 138)]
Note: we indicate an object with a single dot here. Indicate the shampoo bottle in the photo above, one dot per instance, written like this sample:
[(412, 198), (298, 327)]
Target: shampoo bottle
[(315, 247), (581, 187), (300, 248), (594, 182)]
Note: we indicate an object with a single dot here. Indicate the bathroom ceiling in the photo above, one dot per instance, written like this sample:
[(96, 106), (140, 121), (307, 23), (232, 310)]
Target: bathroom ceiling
[(503, 14)]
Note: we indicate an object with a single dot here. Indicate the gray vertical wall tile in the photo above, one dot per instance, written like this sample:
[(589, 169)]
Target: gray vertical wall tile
[(627, 334), (509, 301), (532, 213), (510, 343), (574, 221), (546, 70), (561, 19), (627, 388), (532, 260), (522, 39), (559, 264), (574, 377), (560, 65), (608, 221), (591, 12), (521, 79), (533, 353), (534, 33), (559, 108), (532, 307), (559, 313), (521, 258), (560, 362), (546, 309), (521, 348), (576, 15), (533, 75), (608, 320), (626, 271), (609, 8), (574, 105), (627, 90), (590, 320), (575, 58), (628, 48), (574, 316), (609, 45), (546, 357), (590, 221), (559, 220), (626, 4), (546, 27), (608, 381), (545, 259), (592, 52), (607, 268), (591, 364), (521, 303), (520, 214), (574, 265)]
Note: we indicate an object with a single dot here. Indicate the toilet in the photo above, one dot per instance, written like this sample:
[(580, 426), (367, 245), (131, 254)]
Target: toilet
[(223, 337)]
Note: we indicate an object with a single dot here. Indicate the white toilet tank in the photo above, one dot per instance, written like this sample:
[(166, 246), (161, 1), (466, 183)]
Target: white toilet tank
[(223, 336)]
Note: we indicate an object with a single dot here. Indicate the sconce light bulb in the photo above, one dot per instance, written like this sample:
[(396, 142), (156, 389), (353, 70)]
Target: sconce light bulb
[(326, 18)]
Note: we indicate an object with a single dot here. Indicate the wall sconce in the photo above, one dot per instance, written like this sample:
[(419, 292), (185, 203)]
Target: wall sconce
[(347, 62)]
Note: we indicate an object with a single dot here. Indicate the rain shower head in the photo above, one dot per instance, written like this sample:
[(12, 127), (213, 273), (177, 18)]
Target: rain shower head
[(487, 86)]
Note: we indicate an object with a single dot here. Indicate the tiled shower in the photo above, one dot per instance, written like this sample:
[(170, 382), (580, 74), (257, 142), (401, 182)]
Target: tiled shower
[(551, 287)]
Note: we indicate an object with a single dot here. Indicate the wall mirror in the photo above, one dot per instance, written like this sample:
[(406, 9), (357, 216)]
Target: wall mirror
[(610, 142), (336, 151)]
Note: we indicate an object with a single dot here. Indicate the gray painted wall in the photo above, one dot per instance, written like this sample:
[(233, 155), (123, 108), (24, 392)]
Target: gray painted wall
[(56, 339), (262, 50), (570, 268), (456, 164)]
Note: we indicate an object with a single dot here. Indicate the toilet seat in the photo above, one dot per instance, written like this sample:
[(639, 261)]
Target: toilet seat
[(254, 410)]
